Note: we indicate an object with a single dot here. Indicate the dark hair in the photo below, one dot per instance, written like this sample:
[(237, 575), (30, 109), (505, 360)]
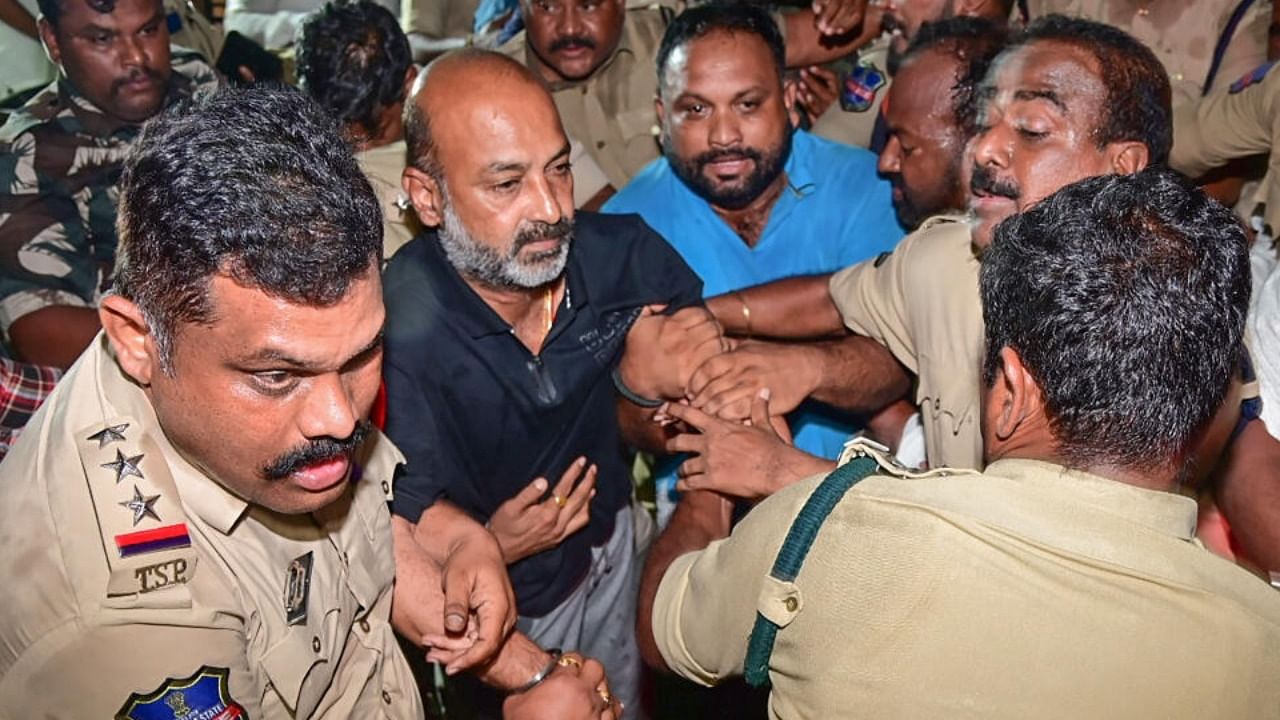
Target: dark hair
[(701, 20), (1138, 103), (254, 183), (352, 58), (975, 42), (1125, 296), (51, 10)]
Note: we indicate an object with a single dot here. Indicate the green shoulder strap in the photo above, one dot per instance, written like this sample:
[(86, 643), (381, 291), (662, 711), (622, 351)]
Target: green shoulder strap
[(793, 551)]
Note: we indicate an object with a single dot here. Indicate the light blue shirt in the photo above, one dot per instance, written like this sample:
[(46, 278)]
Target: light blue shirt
[(835, 211)]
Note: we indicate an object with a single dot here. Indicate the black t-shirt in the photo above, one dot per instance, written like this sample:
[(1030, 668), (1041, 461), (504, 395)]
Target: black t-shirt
[(478, 416)]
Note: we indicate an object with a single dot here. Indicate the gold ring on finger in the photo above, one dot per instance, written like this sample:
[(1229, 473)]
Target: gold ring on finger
[(567, 660), (605, 696), (559, 500)]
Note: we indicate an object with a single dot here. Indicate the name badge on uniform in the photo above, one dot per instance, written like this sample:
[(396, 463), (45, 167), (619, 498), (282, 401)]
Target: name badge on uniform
[(297, 588)]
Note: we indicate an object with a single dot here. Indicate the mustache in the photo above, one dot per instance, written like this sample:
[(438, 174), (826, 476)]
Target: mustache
[(118, 83), (314, 451), (710, 156), (537, 231), (984, 180), (568, 41)]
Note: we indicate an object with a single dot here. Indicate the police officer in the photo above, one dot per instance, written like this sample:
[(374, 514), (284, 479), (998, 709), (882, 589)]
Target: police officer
[(201, 520), (60, 161)]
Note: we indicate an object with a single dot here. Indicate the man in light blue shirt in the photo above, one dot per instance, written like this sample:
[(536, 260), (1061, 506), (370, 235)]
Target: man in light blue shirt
[(742, 197)]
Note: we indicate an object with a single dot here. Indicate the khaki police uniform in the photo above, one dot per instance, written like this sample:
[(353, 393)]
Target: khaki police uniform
[(1183, 35), (855, 126), (921, 302), (384, 166), (133, 585), (438, 19), (189, 28), (1028, 591), (1237, 121), (611, 113)]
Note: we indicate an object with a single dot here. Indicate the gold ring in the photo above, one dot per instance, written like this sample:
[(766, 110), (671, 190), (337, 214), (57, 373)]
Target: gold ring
[(559, 500), (567, 660), (605, 696)]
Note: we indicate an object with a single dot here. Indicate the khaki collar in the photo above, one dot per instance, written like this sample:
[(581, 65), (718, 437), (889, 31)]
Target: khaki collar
[(1165, 512), (121, 396)]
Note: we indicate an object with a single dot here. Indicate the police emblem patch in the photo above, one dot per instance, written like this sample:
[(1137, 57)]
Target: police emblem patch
[(1252, 77), (201, 696), (859, 86)]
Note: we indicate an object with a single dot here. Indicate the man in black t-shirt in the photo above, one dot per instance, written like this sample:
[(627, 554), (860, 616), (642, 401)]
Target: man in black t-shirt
[(526, 347)]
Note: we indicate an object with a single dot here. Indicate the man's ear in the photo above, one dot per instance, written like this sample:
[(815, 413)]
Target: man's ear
[(1128, 157), (1016, 393), (409, 76), (130, 337), (49, 36), (426, 195)]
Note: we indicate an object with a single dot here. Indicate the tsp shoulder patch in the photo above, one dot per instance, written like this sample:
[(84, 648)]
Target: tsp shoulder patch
[(203, 695), (858, 91), (1252, 77)]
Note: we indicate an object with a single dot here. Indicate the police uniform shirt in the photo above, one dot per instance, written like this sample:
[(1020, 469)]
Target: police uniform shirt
[(1239, 120), (866, 85), (60, 160), (384, 166), (1030, 591), (1183, 35), (133, 586), (921, 302)]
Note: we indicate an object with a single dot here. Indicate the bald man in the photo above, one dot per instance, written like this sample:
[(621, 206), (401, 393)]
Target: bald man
[(521, 341)]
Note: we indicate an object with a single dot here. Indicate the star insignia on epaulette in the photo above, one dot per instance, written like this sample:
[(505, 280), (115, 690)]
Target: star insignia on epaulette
[(141, 506), (125, 466), (110, 434)]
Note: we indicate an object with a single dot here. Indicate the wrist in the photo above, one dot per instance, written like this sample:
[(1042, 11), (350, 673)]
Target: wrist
[(516, 663), (637, 391)]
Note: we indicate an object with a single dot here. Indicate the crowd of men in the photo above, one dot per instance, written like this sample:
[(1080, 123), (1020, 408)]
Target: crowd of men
[(555, 358)]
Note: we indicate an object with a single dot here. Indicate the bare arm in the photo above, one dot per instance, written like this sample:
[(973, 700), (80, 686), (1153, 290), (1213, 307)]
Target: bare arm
[(15, 16), (638, 428), (1248, 493), (835, 30), (54, 335), (701, 518), (795, 308)]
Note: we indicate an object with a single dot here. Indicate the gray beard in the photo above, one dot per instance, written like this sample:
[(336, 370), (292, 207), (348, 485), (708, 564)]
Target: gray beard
[(490, 267)]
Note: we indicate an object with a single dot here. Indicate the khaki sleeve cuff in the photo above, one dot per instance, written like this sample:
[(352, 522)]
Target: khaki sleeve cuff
[(668, 607)]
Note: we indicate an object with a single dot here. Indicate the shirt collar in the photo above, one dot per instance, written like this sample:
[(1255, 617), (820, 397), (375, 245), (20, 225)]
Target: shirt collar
[(202, 495), (1165, 512)]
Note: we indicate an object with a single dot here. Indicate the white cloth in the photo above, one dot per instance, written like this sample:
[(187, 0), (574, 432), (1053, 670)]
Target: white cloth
[(1266, 351), (273, 23), (25, 64)]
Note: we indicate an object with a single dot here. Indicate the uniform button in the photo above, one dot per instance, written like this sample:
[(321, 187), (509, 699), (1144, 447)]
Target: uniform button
[(386, 697), (364, 625), (791, 604), (1143, 12), (584, 89), (654, 130), (315, 643), (599, 144), (385, 487), (1177, 77)]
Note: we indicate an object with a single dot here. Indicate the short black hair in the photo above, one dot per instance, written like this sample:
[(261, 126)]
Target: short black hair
[(254, 183), (1125, 296), (1138, 106), (352, 58), (51, 10), (975, 42), (732, 17)]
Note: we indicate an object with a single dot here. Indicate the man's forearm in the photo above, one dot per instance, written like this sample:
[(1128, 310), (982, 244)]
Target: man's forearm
[(857, 374), (442, 527), (515, 664), (795, 308), (638, 429), (55, 335), (1248, 493), (807, 46), (700, 518)]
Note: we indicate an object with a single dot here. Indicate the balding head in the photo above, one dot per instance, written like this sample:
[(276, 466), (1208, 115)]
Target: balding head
[(489, 166)]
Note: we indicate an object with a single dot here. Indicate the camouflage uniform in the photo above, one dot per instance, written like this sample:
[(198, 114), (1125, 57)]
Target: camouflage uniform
[(60, 162)]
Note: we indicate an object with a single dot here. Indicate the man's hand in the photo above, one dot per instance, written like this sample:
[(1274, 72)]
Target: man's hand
[(747, 461), (814, 89), (526, 524), (576, 690), (452, 591), (664, 350), (837, 17), (725, 385)]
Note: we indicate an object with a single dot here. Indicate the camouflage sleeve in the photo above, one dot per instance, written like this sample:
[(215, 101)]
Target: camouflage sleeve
[(45, 256)]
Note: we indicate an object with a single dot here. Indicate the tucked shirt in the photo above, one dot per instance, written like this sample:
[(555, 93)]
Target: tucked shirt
[(921, 302), (834, 212), (60, 161), (132, 582), (1030, 591), (479, 417)]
